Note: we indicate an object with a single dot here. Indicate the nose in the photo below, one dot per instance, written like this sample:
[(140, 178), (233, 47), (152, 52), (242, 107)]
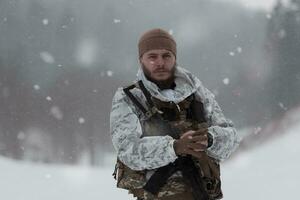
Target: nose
[(160, 61)]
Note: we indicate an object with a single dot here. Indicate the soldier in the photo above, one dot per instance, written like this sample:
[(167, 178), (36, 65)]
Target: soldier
[(168, 130)]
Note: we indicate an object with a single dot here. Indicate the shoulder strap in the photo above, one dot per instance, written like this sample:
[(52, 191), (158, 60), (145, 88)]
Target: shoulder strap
[(148, 112), (133, 98)]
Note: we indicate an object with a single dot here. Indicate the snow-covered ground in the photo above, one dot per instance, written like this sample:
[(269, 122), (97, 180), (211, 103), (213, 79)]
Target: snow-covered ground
[(271, 171)]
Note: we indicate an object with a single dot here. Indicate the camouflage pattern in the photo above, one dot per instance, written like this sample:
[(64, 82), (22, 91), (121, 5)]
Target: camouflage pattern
[(143, 143)]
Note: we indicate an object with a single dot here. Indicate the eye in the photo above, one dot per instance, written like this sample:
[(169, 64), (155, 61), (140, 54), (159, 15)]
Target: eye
[(152, 57), (167, 56)]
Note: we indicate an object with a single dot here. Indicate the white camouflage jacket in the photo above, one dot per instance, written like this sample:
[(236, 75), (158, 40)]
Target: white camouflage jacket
[(138, 152)]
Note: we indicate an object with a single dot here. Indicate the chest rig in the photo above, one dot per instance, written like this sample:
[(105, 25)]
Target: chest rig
[(202, 176)]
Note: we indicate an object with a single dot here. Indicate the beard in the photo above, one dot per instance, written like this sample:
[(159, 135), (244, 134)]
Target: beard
[(168, 83)]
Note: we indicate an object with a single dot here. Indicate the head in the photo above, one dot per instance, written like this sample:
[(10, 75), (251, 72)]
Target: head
[(157, 51)]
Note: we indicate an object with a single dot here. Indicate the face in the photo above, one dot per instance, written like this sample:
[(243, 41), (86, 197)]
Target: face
[(158, 64)]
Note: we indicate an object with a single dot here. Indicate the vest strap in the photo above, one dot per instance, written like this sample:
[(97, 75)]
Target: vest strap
[(133, 99)]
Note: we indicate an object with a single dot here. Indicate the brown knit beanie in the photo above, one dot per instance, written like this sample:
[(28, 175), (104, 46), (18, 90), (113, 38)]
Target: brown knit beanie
[(156, 39)]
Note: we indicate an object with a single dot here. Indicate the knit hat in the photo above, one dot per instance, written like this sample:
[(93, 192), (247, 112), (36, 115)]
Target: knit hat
[(156, 39)]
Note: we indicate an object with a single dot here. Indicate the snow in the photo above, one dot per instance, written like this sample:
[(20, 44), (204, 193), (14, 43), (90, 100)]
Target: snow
[(117, 21), (268, 16), (226, 81), (109, 73), (81, 120), (56, 112), (281, 34), (239, 49), (265, 172), (47, 57), (231, 53), (281, 105), (49, 98), (45, 21), (36, 87)]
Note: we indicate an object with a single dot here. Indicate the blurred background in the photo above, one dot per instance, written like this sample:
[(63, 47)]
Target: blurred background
[(62, 60)]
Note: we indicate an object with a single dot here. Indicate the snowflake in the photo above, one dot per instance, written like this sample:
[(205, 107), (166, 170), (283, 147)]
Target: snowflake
[(226, 81), (45, 21), (81, 120), (36, 87), (109, 73), (239, 49), (117, 21), (56, 112), (47, 57)]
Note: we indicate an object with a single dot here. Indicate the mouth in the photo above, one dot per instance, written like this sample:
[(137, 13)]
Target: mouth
[(163, 71)]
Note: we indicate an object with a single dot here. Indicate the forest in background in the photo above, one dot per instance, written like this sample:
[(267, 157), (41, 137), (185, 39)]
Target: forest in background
[(61, 62)]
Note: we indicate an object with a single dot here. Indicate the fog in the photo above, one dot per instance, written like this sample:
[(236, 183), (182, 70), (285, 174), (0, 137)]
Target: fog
[(62, 60)]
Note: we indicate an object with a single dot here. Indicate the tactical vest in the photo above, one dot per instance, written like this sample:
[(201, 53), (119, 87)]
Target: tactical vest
[(171, 119)]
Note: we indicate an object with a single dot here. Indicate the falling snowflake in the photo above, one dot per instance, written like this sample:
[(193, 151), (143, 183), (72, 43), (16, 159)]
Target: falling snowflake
[(268, 16), (226, 81), (49, 98), (36, 87), (47, 57), (171, 32), (45, 21), (56, 112), (5, 19), (81, 120), (239, 49), (117, 21), (231, 53), (109, 73), (281, 105), (281, 33), (21, 135)]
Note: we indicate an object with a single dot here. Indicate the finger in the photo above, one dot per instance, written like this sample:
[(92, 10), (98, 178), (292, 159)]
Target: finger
[(187, 134), (197, 146), (204, 142), (200, 132), (199, 138)]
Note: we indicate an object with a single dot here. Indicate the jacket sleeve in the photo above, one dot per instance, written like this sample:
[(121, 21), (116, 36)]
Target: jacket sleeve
[(225, 138), (137, 152)]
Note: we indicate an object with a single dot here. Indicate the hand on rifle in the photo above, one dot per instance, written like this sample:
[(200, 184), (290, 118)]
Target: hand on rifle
[(192, 143)]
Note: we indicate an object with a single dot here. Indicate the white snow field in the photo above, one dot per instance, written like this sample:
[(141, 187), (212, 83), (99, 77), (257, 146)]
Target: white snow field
[(267, 172)]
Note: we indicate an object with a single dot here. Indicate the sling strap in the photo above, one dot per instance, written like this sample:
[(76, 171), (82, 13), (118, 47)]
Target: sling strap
[(152, 108)]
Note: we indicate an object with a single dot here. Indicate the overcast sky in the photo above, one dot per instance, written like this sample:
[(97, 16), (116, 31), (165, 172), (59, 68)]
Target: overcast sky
[(256, 4)]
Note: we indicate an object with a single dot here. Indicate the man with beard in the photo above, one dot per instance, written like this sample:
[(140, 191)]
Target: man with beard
[(168, 130)]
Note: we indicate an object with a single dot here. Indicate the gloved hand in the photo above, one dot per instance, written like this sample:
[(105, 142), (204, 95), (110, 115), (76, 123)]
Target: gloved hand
[(192, 143)]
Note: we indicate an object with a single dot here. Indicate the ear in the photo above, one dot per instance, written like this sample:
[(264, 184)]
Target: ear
[(140, 60)]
